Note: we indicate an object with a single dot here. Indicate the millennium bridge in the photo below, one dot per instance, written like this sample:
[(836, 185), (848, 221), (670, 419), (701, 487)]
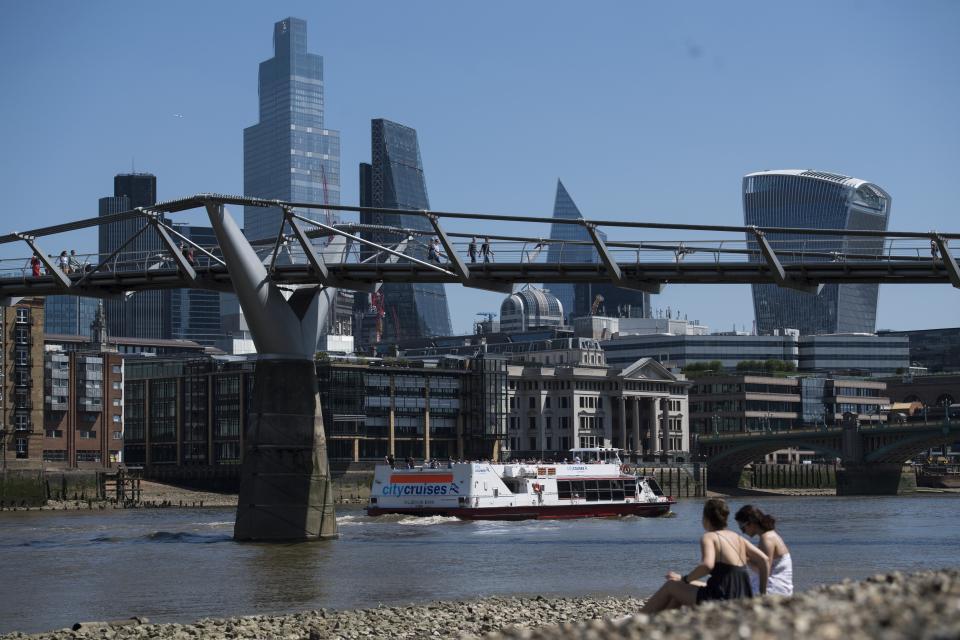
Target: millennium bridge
[(286, 286)]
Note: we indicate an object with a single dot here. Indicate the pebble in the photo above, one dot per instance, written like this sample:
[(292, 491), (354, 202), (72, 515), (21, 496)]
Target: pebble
[(891, 606)]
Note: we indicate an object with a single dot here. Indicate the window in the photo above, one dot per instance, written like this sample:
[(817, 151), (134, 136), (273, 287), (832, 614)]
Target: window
[(118, 386), (533, 443), (117, 368), (549, 424), (53, 433), (563, 402), (117, 402), (116, 418), (118, 435), (533, 422), (547, 402), (88, 435), (533, 402), (513, 402), (88, 456)]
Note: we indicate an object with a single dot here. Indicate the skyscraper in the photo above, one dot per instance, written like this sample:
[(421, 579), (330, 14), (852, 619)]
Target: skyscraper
[(577, 299), (394, 180), (195, 313), (288, 154), (145, 314), (815, 199), (564, 208), (69, 315)]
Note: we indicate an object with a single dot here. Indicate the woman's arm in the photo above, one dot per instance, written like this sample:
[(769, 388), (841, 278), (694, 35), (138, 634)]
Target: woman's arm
[(761, 561)]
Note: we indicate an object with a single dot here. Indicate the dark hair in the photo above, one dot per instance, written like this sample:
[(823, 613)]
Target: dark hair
[(716, 512), (753, 515)]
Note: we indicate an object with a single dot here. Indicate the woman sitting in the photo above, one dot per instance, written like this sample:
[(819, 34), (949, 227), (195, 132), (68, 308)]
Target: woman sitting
[(755, 522), (724, 559)]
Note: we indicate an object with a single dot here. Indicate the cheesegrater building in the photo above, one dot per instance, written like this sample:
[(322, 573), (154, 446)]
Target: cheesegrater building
[(815, 199)]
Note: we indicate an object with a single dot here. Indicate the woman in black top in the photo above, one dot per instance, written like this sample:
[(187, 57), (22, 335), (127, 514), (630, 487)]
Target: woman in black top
[(724, 559)]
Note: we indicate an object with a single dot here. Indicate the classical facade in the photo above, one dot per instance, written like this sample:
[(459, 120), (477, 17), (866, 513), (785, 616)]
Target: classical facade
[(642, 409)]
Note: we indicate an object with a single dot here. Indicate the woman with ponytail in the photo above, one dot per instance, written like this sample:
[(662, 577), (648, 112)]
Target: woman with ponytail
[(755, 522)]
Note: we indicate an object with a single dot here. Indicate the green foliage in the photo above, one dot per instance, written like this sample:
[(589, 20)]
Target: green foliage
[(702, 368), (769, 367)]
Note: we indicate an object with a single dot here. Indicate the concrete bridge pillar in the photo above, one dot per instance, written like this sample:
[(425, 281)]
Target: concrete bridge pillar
[(722, 476), (875, 479)]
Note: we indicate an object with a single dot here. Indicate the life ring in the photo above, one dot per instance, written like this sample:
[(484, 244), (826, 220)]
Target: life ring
[(626, 470)]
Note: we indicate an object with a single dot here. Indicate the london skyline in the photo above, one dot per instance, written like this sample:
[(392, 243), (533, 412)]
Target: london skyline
[(645, 112)]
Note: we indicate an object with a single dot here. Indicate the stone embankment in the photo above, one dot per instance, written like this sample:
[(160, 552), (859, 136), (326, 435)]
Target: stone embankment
[(923, 605)]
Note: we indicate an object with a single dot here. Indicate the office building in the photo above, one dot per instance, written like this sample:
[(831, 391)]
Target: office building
[(678, 351), (290, 154), (394, 179), (815, 199), (69, 315), (864, 355), (742, 403), (21, 382), (936, 349), (144, 314), (195, 313), (605, 299)]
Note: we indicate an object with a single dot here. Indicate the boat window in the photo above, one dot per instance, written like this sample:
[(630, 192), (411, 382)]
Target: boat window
[(563, 490), (630, 488), (654, 487)]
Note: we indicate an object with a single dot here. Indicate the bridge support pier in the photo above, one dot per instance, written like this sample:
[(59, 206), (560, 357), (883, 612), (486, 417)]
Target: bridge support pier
[(875, 479), (719, 476), (285, 491)]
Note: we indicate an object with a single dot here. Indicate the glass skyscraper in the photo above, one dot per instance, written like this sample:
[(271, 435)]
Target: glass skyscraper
[(815, 199), (195, 313), (394, 180), (288, 154), (69, 315), (577, 299), (145, 314)]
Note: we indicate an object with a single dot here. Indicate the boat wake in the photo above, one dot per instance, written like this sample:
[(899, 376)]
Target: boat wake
[(427, 520)]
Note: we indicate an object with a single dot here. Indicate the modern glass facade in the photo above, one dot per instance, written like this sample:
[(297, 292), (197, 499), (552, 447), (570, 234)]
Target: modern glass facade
[(195, 313), (815, 199), (565, 208), (679, 351), (145, 314), (69, 315), (394, 180), (857, 354), (288, 154)]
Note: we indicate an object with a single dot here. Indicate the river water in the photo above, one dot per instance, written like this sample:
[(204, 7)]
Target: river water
[(181, 564)]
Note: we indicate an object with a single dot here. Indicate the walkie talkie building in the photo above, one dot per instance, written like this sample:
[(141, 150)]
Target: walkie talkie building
[(815, 199)]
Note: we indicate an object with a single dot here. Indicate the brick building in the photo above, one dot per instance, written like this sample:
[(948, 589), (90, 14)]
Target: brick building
[(21, 382)]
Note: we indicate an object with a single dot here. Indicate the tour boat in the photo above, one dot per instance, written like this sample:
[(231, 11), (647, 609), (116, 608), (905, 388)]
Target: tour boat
[(595, 484)]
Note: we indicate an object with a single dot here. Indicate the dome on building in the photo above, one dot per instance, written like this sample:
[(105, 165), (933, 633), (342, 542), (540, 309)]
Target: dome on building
[(530, 308)]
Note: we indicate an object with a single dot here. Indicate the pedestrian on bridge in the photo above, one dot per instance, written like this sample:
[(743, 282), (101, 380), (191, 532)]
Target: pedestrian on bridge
[(35, 265), (472, 250), (485, 250)]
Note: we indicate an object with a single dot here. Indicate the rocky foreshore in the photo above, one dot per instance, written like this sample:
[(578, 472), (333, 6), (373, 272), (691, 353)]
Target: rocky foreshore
[(892, 606)]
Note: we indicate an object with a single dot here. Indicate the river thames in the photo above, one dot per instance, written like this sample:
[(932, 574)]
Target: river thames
[(181, 564)]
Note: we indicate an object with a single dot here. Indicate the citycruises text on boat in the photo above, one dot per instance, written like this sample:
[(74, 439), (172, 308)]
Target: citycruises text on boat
[(595, 484)]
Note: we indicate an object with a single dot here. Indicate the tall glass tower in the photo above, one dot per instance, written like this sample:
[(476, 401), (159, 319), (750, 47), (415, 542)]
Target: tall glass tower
[(288, 154), (815, 199), (394, 180), (195, 313), (145, 314), (69, 315)]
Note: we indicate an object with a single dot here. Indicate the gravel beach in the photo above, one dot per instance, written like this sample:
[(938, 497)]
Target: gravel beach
[(890, 606)]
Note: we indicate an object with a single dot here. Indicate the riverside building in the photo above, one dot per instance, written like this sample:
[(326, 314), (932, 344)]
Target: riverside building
[(936, 349), (21, 382), (815, 199)]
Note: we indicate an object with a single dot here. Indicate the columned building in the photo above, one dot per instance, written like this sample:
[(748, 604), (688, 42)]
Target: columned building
[(642, 409), (815, 199)]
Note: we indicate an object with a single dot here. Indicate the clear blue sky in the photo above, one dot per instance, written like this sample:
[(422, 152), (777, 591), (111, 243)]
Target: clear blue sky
[(645, 110)]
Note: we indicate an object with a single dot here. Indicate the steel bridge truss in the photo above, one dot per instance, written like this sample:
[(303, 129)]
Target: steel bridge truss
[(296, 256)]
